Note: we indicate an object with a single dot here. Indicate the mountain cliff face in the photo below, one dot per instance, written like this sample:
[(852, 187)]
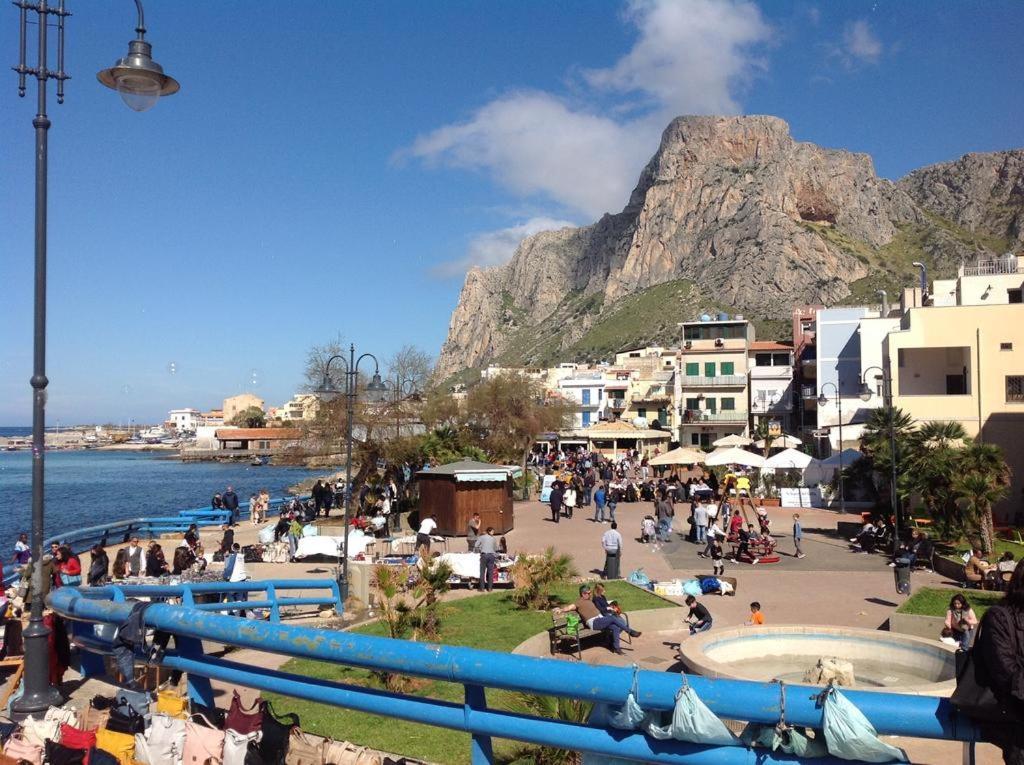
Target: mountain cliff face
[(732, 212)]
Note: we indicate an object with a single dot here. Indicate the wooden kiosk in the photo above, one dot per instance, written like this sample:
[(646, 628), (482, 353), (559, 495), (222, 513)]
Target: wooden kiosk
[(455, 491)]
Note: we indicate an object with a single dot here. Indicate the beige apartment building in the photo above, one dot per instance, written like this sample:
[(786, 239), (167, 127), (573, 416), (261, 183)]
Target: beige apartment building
[(240, 403)]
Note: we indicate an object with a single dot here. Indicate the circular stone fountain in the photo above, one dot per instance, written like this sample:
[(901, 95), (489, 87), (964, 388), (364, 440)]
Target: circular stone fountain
[(883, 661)]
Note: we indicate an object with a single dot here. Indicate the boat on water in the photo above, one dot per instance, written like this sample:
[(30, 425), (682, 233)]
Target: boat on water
[(259, 461), (153, 435)]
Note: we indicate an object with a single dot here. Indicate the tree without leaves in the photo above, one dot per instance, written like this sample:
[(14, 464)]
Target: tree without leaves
[(316, 365)]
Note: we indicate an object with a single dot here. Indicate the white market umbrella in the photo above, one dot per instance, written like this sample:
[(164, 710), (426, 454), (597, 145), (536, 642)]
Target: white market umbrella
[(782, 442), (733, 440), (734, 456), (849, 456), (680, 456), (788, 459)]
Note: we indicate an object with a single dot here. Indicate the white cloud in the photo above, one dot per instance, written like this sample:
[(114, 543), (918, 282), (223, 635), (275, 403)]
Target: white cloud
[(860, 43), (691, 56), (494, 248)]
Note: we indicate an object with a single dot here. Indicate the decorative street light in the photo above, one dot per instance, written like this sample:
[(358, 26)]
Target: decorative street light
[(865, 395), (823, 401), (327, 391), (137, 77), (402, 389), (134, 78)]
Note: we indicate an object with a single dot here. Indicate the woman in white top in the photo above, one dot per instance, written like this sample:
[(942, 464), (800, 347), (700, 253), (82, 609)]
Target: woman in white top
[(569, 501)]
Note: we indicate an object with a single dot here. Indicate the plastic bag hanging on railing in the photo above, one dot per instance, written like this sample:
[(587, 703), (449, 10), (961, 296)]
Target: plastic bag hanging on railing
[(692, 721), (629, 715), (790, 739), (850, 735), (600, 717)]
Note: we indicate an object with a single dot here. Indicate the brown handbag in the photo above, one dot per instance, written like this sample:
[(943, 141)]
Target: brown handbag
[(93, 718), (346, 753), (242, 720), (305, 749)]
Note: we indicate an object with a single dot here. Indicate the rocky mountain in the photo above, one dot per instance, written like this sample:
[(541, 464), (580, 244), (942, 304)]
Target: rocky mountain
[(732, 213)]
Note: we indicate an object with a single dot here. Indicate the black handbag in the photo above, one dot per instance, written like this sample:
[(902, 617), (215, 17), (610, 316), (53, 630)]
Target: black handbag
[(973, 695), (58, 754), (6, 730), (126, 721), (276, 735)]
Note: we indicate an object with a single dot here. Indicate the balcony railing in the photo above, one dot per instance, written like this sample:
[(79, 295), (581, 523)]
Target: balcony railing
[(995, 267), (701, 416), (617, 404), (659, 396), (700, 381)]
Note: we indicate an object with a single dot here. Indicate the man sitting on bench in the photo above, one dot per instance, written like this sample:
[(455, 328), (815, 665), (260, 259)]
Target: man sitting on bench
[(592, 617)]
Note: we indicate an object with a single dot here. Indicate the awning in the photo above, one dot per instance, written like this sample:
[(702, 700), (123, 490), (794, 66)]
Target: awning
[(500, 477)]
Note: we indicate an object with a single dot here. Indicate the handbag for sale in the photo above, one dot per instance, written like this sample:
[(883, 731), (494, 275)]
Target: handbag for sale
[(7, 730), (346, 753), (137, 701), (236, 746), (61, 715), (94, 718), (211, 717), (38, 731), (304, 748), (273, 745), (203, 744), (129, 722), (973, 695), (76, 738), (58, 754), (21, 748), (163, 741), (171, 703), (99, 757), (121, 745), (243, 720)]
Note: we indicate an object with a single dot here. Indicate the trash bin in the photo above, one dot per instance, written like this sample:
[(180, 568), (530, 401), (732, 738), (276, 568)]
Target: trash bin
[(902, 575)]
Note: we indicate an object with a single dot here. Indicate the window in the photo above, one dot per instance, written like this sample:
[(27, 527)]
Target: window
[(728, 368), (586, 419), (693, 404), (709, 369), (1014, 296), (695, 439), (1015, 389), (692, 368), (663, 415), (780, 359), (600, 393), (711, 404), (586, 396), (1006, 346), (635, 355), (641, 411), (728, 405), (902, 358), (762, 359)]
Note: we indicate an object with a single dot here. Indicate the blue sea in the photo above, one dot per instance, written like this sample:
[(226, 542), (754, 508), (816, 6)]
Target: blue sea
[(86, 488)]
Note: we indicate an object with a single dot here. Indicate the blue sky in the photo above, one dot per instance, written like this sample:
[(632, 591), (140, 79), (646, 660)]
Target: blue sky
[(335, 168)]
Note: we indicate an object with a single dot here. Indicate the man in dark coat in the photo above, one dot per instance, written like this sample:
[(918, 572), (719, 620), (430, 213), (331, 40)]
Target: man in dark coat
[(1000, 646), (557, 489), (230, 500)]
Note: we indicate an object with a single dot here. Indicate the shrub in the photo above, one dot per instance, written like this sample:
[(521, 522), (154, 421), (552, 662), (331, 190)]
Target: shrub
[(535, 575)]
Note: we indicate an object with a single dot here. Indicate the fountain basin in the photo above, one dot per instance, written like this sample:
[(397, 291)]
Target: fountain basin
[(882, 661)]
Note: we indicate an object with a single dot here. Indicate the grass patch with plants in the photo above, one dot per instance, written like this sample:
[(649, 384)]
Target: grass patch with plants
[(932, 601), (491, 622)]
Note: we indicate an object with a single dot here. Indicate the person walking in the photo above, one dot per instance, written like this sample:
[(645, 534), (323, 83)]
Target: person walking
[(700, 522), (611, 541), (588, 487), (999, 649), (569, 500), (318, 495), (556, 501), (599, 502), (472, 532), (663, 510), (230, 501), (612, 501), (798, 535), (717, 556), (487, 546)]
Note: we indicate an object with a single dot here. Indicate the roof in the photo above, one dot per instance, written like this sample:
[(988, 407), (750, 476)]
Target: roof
[(770, 345), (263, 434), (619, 429), (470, 470)]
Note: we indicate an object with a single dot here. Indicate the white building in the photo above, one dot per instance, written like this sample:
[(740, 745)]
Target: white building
[(185, 420), (770, 368), (586, 391), (301, 406)]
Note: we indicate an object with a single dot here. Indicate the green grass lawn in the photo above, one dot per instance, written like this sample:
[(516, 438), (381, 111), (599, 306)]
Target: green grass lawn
[(999, 547), (486, 621), (930, 601)]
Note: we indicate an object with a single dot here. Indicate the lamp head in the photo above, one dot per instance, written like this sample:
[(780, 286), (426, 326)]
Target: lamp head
[(138, 78), (327, 391), (822, 400), (865, 392), (376, 385)]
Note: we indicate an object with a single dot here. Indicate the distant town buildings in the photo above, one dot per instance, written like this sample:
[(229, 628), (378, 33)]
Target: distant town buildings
[(234, 405)]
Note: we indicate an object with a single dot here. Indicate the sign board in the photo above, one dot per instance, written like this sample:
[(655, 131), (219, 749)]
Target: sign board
[(802, 497), (774, 428)]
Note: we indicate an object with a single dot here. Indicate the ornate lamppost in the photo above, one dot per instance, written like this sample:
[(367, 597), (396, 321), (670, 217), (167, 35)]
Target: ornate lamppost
[(823, 401), (865, 395)]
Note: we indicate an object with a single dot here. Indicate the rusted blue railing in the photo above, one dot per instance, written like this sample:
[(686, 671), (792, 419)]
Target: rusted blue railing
[(478, 670)]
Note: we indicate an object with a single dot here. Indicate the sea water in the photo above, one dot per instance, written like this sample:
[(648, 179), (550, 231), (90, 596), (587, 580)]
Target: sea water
[(87, 488)]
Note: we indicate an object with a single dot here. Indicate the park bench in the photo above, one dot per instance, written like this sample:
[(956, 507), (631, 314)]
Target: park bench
[(559, 635)]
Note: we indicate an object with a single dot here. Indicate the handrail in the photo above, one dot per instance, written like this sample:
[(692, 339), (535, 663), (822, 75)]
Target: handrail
[(475, 669)]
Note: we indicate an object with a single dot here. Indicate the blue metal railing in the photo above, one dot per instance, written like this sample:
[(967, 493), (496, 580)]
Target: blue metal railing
[(116, 531), (477, 670)]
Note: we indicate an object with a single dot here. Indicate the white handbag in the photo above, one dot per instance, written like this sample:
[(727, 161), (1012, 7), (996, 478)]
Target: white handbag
[(163, 742), (236, 744), (62, 715), (38, 731)]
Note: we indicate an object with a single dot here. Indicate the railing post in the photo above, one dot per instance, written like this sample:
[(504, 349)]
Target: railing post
[(339, 606), (481, 750), (275, 609)]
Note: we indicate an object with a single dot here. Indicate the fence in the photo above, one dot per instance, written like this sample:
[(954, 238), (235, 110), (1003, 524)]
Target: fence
[(477, 671)]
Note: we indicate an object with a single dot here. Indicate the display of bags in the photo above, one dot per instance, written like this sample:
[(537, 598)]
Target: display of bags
[(172, 703), (38, 731), (76, 738), (203, 743), (305, 748), (120, 745), (242, 720), (130, 722), (236, 745), (137, 701), (273, 746), (21, 748), (58, 754), (211, 717), (162, 743)]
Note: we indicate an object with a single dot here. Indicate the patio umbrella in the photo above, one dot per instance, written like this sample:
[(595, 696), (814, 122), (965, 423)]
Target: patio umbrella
[(733, 440), (849, 456), (680, 456), (782, 442), (734, 456), (789, 458)]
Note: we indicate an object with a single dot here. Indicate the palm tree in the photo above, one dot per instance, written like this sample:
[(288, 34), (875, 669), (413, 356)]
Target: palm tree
[(978, 493), (763, 432), (883, 427), (942, 434), (552, 708)]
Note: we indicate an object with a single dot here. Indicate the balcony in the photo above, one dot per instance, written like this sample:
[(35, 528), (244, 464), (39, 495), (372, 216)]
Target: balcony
[(1010, 265), (655, 397), (616, 404), (719, 381), (701, 416)]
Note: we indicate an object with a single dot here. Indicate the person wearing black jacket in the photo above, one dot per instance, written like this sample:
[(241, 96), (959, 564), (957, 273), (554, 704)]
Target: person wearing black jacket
[(98, 566), (1000, 652), (230, 500)]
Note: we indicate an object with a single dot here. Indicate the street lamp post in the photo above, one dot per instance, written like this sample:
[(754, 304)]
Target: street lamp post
[(136, 76), (865, 394), (404, 389), (822, 401), (327, 390)]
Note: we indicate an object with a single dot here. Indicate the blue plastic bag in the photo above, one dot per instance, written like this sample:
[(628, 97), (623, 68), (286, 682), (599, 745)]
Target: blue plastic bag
[(850, 735), (692, 721), (639, 578)]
